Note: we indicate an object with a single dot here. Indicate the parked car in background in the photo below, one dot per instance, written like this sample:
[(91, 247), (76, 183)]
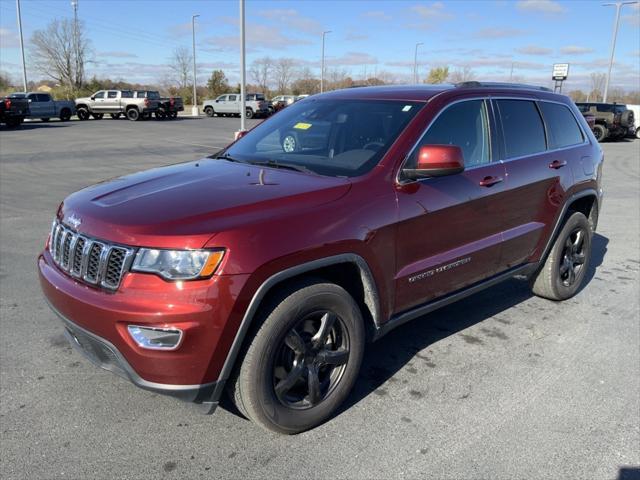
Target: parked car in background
[(636, 116), (13, 111), (170, 107), (229, 104), (590, 118), (116, 102), (613, 120), (44, 107), (263, 270), (281, 101)]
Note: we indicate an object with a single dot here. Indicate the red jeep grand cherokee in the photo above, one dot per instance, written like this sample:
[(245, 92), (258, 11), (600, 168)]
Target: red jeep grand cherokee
[(264, 269)]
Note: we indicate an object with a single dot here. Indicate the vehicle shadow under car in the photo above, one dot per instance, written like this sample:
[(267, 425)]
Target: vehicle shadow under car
[(384, 358)]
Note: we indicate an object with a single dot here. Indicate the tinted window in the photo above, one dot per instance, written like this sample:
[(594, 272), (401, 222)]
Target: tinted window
[(522, 127), (232, 98), (153, 95), (43, 97), (562, 127), (126, 94), (221, 98), (112, 94), (463, 124), (330, 137), (33, 97), (99, 95)]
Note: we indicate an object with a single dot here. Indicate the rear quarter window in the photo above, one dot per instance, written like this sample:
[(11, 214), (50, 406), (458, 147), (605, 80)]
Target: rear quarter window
[(562, 127), (522, 127)]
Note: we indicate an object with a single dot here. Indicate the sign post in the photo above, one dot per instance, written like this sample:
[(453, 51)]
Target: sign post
[(559, 75)]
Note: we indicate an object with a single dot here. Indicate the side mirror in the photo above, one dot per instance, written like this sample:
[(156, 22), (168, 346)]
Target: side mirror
[(93, 97), (217, 101), (436, 161)]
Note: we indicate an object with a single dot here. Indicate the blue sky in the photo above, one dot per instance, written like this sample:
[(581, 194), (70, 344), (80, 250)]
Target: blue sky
[(133, 39)]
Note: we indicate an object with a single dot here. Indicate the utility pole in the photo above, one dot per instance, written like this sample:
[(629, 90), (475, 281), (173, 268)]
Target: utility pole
[(76, 41), (511, 74), (322, 63), (618, 6), (415, 63), (24, 66), (194, 109), (243, 93)]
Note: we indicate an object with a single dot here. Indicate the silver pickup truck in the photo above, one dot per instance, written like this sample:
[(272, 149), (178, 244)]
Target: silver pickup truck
[(229, 105), (115, 102), (44, 107)]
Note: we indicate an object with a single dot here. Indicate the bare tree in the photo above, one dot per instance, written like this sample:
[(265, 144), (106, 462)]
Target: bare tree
[(597, 86), (283, 70), (261, 70), (57, 52), (464, 74), (181, 64)]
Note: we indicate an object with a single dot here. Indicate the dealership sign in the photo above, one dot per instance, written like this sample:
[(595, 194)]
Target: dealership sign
[(560, 71)]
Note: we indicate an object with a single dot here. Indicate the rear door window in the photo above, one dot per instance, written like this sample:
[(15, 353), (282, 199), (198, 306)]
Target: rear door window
[(562, 128), (232, 98), (522, 128), (112, 94)]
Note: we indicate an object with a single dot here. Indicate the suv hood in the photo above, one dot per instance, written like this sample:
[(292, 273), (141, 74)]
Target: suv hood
[(182, 206)]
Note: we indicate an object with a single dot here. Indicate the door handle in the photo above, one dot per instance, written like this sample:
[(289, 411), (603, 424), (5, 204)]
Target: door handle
[(556, 164), (489, 181)]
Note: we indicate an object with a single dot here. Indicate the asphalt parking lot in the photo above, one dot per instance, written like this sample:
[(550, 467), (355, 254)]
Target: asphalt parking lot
[(501, 385)]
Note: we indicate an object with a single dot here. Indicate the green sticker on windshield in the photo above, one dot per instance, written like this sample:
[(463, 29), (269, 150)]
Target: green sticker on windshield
[(406, 108), (302, 126)]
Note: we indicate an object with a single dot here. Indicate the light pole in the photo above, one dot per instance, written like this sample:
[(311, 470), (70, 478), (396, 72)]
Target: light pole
[(618, 6), (415, 63), (194, 109), (322, 63), (243, 93), (24, 66)]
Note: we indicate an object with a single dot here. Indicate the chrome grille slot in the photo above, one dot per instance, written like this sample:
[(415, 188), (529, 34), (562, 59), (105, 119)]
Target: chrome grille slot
[(92, 261)]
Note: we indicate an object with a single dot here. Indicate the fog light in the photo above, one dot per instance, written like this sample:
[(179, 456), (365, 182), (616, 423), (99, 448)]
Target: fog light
[(154, 338)]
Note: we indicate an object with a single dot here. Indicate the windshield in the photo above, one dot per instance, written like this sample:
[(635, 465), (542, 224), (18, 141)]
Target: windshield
[(328, 137)]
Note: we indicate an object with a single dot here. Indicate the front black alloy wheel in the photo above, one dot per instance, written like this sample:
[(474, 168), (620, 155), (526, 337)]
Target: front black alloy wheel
[(303, 359)]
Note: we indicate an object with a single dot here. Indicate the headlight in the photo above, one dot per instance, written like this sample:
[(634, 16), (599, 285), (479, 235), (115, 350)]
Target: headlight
[(178, 264)]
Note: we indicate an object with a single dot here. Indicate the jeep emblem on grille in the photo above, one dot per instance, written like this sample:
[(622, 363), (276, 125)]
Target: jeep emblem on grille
[(74, 221)]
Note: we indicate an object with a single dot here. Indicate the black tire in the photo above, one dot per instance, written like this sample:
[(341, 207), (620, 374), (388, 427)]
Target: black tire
[(97, 116), (83, 113), (626, 118), (565, 268), (638, 132), (115, 116), (45, 119), (600, 132), (324, 325), (133, 114), (65, 115), (209, 111), (248, 113)]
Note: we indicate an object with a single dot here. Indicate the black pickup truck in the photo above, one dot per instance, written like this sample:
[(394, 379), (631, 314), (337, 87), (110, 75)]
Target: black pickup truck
[(13, 111)]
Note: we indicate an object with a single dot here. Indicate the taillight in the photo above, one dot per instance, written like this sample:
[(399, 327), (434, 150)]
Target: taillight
[(7, 103), (146, 102)]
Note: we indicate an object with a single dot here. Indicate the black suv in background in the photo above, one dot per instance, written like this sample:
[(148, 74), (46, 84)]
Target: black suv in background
[(613, 120)]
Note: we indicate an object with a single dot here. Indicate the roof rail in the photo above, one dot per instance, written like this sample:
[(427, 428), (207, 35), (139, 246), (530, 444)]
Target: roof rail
[(475, 84)]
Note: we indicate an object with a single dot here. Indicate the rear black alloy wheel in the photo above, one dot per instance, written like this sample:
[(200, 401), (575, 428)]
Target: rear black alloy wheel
[(311, 359), (573, 257), (303, 360), (600, 132)]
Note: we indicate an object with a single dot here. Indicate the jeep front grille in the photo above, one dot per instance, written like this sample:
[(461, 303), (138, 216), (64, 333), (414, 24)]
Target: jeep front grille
[(88, 259)]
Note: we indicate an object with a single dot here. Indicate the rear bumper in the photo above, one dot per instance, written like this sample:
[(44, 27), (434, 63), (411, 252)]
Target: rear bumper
[(104, 354)]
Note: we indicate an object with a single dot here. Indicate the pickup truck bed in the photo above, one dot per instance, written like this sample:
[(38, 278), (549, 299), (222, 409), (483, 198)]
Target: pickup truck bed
[(13, 111)]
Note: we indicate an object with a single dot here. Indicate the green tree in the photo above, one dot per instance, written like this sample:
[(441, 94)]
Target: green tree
[(217, 84), (437, 75)]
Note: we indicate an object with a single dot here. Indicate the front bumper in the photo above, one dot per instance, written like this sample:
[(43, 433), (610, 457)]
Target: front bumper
[(96, 323)]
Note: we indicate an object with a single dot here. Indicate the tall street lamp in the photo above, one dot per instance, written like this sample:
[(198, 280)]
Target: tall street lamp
[(243, 91), (322, 63), (194, 109), (24, 66), (618, 6), (415, 63)]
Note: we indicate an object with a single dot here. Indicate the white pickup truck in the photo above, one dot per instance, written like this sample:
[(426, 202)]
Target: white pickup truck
[(116, 102), (44, 107), (229, 105)]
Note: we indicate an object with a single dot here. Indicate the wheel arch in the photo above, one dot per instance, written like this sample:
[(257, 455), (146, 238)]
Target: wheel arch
[(348, 270)]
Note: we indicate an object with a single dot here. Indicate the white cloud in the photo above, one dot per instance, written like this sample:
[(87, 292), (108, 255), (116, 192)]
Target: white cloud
[(541, 6), (292, 20), (353, 58), (117, 54), (534, 50), (9, 38), (496, 32), (377, 15), (575, 50), (633, 18), (427, 16), (259, 37)]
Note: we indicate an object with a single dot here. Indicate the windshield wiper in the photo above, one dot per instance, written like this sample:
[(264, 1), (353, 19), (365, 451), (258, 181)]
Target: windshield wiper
[(287, 166), (228, 158)]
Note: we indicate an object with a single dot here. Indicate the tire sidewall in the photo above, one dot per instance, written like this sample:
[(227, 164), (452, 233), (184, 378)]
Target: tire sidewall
[(576, 220), (133, 114), (258, 382)]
